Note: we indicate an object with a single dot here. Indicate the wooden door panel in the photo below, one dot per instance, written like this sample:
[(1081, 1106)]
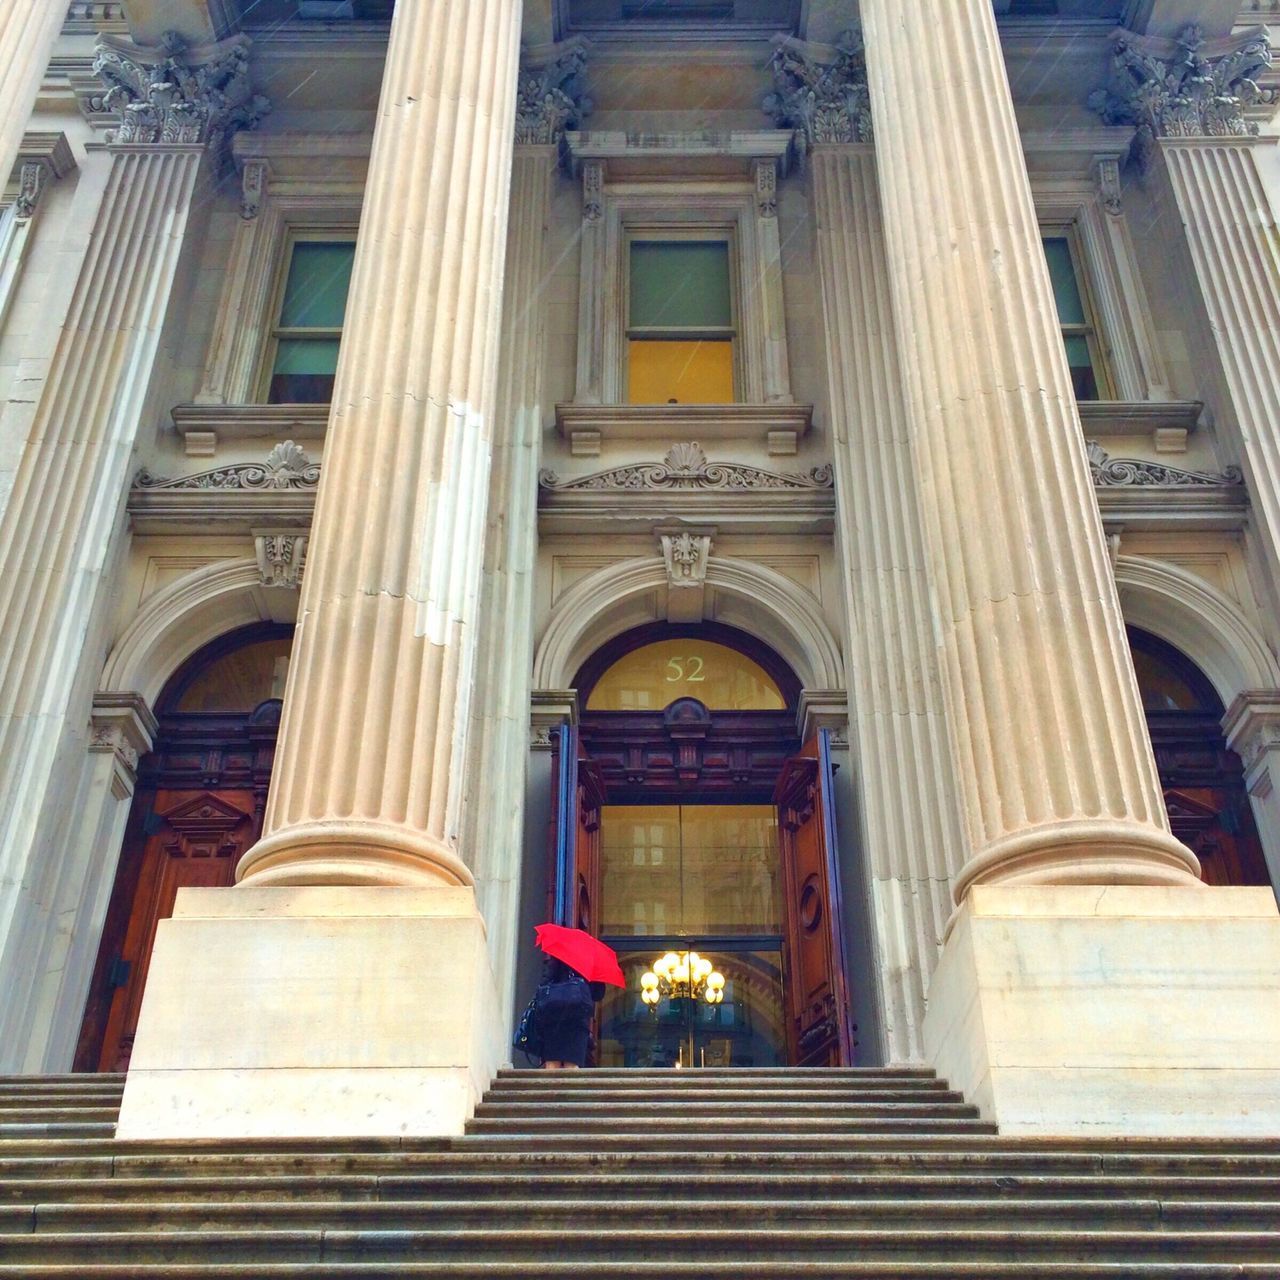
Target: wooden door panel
[(819, 1031), (1217, 827), (194, 840)]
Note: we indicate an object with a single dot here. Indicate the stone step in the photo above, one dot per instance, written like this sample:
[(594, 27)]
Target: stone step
[(17, 1130), (59, 1114), (637, 1215), (726, 1096), (709, 1132), (691, 1242), (1022, 1188), (557, 1269), (650, 1075), (700, 1109), (540, 1081)]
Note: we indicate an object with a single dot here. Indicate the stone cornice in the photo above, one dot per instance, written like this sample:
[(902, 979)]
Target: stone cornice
[(821, 91), (551, 97), (1185, 88), (177, 93)]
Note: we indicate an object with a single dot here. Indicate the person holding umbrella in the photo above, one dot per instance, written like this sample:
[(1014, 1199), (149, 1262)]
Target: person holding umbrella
[(578, 968)]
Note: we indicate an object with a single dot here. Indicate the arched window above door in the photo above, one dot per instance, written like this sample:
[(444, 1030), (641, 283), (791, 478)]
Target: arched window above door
[(1169, 681)]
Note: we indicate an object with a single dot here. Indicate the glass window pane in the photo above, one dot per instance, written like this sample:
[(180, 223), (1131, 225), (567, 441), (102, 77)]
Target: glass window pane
[(241, 680), (640, 869), (680, 284), (729, 867), (306, 355), (1062, 272), (680, 372), (315, 294), (1163, 688), (655, 675), (1084, 377)]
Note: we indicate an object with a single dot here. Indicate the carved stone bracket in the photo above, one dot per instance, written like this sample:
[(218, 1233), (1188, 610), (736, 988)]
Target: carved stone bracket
[(823, 96), (253, 187), (686, 467), (281, 556), (550, 708), (286, 467), (1189, 87), (123, 726), (593, 190), (1107, 175), (552, 98), (767, 188), (1111, 472), (42, 159), (178, 94), (685, 553)]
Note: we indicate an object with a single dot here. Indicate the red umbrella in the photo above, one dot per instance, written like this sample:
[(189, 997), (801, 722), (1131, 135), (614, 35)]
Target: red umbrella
[(581, 952)]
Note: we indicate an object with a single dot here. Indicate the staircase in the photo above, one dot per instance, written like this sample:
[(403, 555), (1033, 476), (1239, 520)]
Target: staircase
[(683, 1175)]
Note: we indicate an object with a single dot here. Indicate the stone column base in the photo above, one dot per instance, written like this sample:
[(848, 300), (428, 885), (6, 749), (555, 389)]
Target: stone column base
[(1137, 1011), (314, 1012)]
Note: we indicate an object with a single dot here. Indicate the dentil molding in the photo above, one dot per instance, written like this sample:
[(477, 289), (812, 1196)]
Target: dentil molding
[(175, 93)]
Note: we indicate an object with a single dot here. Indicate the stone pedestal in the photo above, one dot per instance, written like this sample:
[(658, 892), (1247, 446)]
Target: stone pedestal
[(1134, 1011), (314, 1011)]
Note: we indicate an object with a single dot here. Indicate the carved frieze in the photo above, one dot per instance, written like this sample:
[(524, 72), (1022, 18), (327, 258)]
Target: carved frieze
[(823, 101), (686, 466), (1184, 88), (178, 94), (286, 467), (1111, 472), (551, 99)]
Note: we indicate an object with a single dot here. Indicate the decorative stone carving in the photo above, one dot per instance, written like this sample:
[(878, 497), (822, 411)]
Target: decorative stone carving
[(32, 181), (1108, 177), (176, 94), (280, 556), (253, 188), (1184, 88), (685, 552), (767, 188), (122, 725), (1252, 727), (822, 102), (686, 467), (593, 190), (286, 467), (551, 99), (1111, 472)]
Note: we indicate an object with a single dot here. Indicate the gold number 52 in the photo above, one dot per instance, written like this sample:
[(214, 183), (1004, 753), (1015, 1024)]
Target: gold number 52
[(676, 670)]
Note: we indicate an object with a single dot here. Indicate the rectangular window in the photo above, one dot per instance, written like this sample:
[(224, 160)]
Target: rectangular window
[(1075, 316), (680, 322), (309, 307)]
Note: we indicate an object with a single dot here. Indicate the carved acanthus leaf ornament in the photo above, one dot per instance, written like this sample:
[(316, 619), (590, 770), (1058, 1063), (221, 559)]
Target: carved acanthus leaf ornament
[(822, 101), (1113, 473), (286, 467), (686, 467), (1184, 88), (178, 94), (551, 99)]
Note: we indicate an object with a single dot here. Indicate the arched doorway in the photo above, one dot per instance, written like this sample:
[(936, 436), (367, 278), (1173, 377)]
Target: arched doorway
[(200, 797), (1203, 780), (693, 820)]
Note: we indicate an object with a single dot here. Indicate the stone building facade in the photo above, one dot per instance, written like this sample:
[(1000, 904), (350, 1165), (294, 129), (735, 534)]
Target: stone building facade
[(794, 479)]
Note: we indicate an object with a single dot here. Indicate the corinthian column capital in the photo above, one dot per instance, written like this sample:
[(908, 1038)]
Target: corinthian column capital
[(1187, 87), (552, 98), (175, 93), (820, 91)]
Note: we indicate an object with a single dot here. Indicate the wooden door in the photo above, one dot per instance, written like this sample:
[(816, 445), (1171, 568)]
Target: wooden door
[(574, 881), (1215, 823), (819, 1030), (191, 839)]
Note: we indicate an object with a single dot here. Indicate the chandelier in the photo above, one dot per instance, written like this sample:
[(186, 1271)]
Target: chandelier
[(682, 974)]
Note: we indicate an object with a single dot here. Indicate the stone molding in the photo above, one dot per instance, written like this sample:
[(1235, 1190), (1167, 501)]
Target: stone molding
[(821, 91), (281, 556), (287, 466), (548, 710), (124, 726), (588, 427), (1187, 87), (1252, 728), (1111, 472), (178, 94), (551, 99), (686, 466)]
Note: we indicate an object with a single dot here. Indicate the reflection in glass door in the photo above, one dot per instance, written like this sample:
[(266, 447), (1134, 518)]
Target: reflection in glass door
[(699, 878)]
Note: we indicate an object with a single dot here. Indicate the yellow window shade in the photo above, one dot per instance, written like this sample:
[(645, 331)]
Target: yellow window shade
[(698, 372)]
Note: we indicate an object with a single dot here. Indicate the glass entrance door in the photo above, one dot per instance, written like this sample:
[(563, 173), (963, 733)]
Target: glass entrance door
[(693, 878)]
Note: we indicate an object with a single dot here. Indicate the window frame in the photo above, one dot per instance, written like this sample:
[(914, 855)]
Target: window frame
[(294, 234), (667, 234), (1091, 330)]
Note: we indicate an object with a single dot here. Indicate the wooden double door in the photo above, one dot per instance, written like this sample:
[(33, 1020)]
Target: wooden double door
[(759, 894)]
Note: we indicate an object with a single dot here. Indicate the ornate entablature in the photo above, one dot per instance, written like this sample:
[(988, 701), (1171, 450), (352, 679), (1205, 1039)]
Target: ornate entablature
[(286, 467), (1185, 88), (686, 467), (178, 94), (1109, 473), (823, 101), (552, 98)]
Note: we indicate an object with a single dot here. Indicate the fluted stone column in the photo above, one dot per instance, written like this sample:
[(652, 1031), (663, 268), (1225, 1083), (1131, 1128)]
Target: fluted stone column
[(28, 30), (1053, 766), (493, 822), (369, 773), (62, 528), (908, 802)]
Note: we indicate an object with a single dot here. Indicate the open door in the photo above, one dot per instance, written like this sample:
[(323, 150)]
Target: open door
[(573, 885), (819, 1030)]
